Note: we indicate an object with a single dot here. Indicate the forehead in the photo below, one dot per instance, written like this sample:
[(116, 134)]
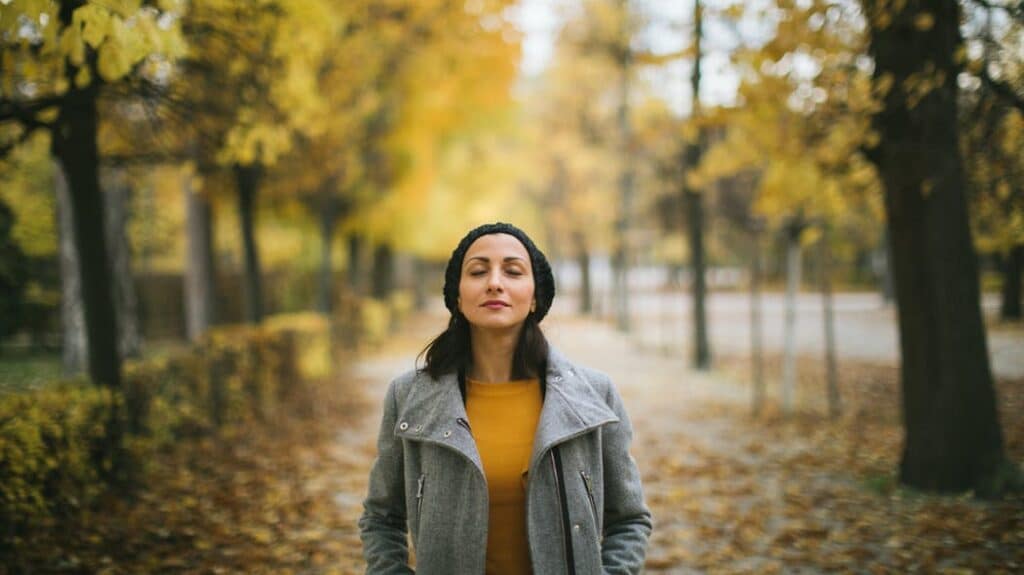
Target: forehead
[(497, 247)]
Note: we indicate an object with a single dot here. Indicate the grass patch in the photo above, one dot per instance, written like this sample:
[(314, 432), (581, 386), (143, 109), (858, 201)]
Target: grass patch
[(26, 371)]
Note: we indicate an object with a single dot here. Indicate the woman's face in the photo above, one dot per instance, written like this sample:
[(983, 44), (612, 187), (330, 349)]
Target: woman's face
[(496, 284)]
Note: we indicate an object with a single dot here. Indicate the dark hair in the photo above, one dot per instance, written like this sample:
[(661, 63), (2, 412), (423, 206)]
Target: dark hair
[(451, 351)]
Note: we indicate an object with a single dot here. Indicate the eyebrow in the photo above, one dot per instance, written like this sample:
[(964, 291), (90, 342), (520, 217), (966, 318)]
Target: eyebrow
[(487, 259)]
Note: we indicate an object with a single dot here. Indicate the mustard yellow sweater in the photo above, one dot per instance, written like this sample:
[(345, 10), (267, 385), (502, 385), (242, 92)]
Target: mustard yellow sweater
[(504, 418)]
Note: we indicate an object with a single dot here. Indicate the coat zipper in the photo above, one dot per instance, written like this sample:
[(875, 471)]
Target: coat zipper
[(419, 499), (593, 505), (556, 466)]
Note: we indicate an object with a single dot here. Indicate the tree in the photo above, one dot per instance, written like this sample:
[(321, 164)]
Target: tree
[(13, 275), (694, 202), (953, 438), (61, 55)]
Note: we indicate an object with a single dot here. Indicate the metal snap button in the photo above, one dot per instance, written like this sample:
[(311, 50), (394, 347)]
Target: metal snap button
[(448, 433), (403, 426), (576, 526)]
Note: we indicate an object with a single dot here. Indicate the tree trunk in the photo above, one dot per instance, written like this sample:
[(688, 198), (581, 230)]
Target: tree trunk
[(199, 266), (116, 200), (383, 271), (831, 371), (953, 439), (74, 145), (756, 331), (328, 219), (583, 261), (888, 289), (73, 347), (248, 179), (1010, 305), (695, 225), (694, 202), (793, 261), (356, 264), (621, 257)]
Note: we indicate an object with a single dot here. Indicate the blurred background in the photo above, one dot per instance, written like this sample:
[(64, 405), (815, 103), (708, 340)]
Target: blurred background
[(212, 211)]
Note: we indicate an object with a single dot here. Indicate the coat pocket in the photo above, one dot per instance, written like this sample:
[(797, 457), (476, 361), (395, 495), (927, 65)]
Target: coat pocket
[(593, 504)]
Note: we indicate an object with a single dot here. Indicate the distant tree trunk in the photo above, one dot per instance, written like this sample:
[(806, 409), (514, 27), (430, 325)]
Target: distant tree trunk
[(793, 265), (248, 180), (199, 265), (356, 264), (694, 202), (329, 208), (695, 220), (383, 271), (74, 144), (419, 285), (831, 371), (73, 347), (1010, 306), (953, 437), (623, 224), (583, 262), (117, 198), (756, 325)]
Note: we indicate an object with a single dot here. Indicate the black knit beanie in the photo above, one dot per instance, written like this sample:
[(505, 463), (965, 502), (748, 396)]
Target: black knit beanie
[(543, 280)]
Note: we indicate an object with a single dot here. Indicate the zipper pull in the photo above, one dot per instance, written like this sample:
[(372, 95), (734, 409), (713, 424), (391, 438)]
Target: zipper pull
[(419, 486), (464, 423)]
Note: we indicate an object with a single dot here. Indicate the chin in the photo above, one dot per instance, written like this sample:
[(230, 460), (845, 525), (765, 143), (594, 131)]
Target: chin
[(496, 324)]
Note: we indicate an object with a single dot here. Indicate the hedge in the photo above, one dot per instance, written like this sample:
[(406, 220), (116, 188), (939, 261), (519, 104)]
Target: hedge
[(52, 461)]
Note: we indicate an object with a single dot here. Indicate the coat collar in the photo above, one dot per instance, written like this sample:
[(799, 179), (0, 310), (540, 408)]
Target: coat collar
[(433, 409)]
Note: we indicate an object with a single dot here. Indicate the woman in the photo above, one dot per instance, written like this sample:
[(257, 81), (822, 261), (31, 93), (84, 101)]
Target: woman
[(500, 456)]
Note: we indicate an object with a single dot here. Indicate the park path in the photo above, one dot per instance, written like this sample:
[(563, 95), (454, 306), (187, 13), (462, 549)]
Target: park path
[(731, 494), (866, 327)]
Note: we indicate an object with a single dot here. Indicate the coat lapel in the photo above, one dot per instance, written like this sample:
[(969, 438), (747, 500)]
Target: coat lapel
[(572, 407), (432, 412)]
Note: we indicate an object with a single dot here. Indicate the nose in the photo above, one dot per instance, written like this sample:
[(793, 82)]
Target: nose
[(494, 281)]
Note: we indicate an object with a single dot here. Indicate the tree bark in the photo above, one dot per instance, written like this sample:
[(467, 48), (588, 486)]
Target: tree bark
[(200, 288), (1009, 308), (383, 271), (953, 439), (74, 145), (328, 219), (694, 202), (793, 268), (583, 262), (73, 347), (831, 370), (248, 178), (621, 257), (356, 264), (756, 331), (116, 201)]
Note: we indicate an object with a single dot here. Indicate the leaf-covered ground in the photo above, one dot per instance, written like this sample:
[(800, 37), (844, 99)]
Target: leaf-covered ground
[(730, 493)]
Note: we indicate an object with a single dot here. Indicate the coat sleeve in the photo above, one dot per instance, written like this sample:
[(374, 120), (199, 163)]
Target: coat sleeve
[(627, 520), (382, 526)]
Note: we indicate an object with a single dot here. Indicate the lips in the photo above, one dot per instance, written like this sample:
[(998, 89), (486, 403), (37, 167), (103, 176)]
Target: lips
[(495, 304)]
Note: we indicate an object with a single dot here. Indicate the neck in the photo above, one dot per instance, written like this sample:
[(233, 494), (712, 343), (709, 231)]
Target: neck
[(492, 354)]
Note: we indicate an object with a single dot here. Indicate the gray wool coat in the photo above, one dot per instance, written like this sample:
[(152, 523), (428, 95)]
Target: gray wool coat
[(584, 502)]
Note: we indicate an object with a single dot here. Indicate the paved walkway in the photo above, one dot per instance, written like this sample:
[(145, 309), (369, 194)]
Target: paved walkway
[(729, 495)]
